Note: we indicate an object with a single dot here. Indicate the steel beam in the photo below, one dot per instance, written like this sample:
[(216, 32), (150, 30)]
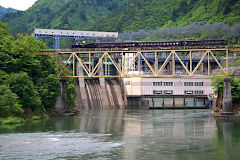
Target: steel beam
[(123, 70)]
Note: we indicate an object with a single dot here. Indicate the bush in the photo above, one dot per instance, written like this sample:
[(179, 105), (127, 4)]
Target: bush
[(11, 120), (9, 103), (218, 83)]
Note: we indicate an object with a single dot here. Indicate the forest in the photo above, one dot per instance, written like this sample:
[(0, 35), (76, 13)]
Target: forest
[(28, 82), (165, 17)]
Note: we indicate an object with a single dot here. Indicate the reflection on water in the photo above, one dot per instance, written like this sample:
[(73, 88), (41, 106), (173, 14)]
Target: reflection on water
[(124, 134)]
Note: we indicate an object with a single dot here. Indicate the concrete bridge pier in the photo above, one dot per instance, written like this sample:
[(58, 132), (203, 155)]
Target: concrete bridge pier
[(83, 102), (103, 90), (227, 97), (61, 103)]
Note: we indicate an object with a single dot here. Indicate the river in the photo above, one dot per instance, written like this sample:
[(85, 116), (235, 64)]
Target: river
[(124, 134)]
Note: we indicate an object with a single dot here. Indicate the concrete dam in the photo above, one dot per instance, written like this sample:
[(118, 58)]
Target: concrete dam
[(159, 79), (92, 95)]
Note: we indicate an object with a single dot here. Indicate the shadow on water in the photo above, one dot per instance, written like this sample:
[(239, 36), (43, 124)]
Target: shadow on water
[(142, 134), (228, 138)]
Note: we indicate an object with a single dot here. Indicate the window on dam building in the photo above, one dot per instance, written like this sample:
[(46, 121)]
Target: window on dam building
[(127, 83), (157, 92), (168, 83), (198, 83), (188, 83), (157, 83), (188, 92), (168, 92), (193, 83), (198, 92)]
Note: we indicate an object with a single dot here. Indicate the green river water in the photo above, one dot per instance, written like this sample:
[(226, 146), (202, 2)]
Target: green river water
[(124, 134)]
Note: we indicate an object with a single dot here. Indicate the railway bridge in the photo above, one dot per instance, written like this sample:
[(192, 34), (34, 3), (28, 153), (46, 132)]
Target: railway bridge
[(144, 63), (152, 77)]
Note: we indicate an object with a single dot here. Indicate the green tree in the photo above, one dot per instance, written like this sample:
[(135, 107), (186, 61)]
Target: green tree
[(28, 77), (48, 90), (9, 103), (22, 85), (71, 92), (218, 83)]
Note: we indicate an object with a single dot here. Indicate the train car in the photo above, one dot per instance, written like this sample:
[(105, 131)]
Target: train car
[(152, 44)]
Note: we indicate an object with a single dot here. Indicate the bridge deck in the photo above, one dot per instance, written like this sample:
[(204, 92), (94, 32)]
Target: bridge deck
[(86, 58), (145, 50)]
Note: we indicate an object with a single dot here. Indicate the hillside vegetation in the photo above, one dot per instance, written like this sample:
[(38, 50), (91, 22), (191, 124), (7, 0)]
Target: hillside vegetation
[(4, 11), (138, 14), (122, 15), (28, 82), (60, 14), (137, 19)]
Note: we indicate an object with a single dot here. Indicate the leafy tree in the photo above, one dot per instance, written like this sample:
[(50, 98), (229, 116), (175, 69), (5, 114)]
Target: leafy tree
[(79, 15), (5, 46), (218, 83), (22, 85), (4, 11), (9, 103), (29, 78), (71, 92), (48, 90)]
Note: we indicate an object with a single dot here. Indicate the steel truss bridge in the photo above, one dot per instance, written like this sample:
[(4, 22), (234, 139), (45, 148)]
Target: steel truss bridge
[(91, 61), (58, 34)]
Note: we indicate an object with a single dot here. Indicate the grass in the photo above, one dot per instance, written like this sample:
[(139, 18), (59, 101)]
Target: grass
[(235, 63), (12, 120)]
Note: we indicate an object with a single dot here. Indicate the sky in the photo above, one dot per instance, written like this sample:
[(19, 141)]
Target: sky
[(17, 4)]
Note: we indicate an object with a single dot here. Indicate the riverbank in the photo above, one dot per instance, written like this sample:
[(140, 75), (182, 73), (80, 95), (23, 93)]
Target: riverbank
[(236, 110), (30, 116), (16, 120)]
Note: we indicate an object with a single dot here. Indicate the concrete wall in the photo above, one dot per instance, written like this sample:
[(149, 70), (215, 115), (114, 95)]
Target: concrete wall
[(144, 86)]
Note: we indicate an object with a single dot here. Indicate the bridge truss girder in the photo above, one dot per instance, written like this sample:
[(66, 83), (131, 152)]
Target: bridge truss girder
[(86, 60)]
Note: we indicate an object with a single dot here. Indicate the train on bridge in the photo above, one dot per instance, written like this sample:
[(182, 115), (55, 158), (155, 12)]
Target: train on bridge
[(154, 44)]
